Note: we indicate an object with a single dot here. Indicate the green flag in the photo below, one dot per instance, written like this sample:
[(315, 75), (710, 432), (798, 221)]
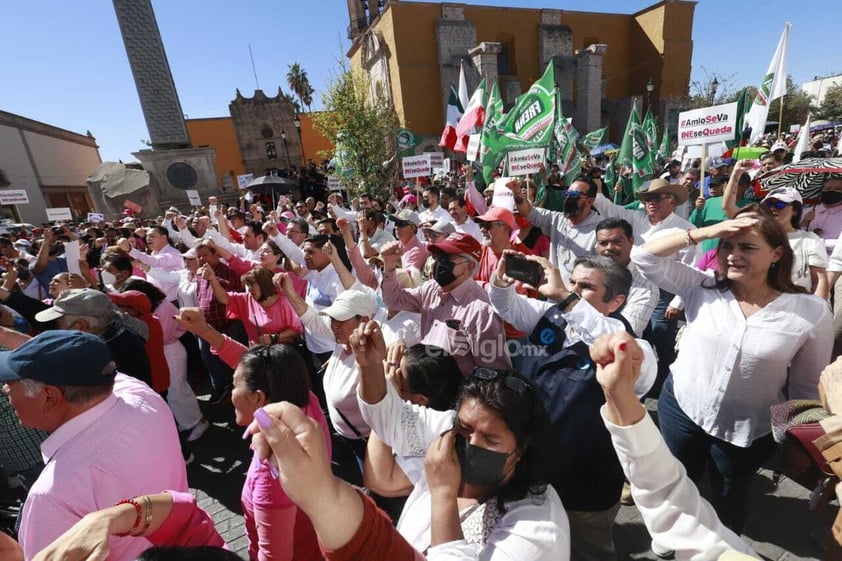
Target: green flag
[(569, 160), (529, 124), (407, 142), (493, 115), (610, 178), (742, 110), (651, 130), (635, 155), (664, 152), (593, 138)]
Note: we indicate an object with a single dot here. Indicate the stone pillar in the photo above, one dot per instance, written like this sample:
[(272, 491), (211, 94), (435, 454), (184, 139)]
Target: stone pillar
[(454, 37), (484, 56), (589, 88), (152, 76), (555, 44)]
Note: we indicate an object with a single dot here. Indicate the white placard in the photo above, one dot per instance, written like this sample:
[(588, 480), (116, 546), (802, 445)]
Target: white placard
[(96, 217), (503, 196), (794, 129), (333, 183), (244, 180), (712, 151), (416, 166), (14, 197), (446, 165), (193, 197), (473, 147), (436, 159), (55, 214), (524, 162), (707, 125)]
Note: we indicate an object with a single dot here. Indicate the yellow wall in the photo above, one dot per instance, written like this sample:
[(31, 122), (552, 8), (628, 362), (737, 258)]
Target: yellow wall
[(653, 43), (218, 132), (312, 141)]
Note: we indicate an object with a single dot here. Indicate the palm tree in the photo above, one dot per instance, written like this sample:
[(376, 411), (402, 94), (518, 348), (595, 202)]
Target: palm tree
[(296, 105), (307, 98), (298, 81)]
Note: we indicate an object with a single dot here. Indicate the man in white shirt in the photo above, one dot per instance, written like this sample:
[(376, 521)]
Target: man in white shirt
[(433, 211), (459, 213), (372, 238), (660, 199), (323, 288), (163, 257)]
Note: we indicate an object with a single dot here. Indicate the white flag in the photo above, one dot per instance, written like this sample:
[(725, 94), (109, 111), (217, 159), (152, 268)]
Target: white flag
[(803, 143), (463, 88), (772, 87)]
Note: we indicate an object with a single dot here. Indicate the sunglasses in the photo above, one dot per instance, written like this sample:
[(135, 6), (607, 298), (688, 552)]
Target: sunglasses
[(571, 193), (654, 198), (517, 385), (777, 205)]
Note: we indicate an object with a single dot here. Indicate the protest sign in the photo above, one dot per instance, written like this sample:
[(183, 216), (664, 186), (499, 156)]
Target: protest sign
[(63, 213), (96, 217), (503, 196), (333, 183), (707, 125), (473, 147), (436, 160), (244, 180), (416, 166), (14, 197), (193, 197), (524, 162)]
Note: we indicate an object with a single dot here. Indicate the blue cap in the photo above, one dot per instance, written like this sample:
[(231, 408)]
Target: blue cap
[(60, 358)]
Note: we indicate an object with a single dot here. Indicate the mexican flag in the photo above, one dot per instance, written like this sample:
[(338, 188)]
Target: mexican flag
[(772, 87), (454, 113), (474, 117)]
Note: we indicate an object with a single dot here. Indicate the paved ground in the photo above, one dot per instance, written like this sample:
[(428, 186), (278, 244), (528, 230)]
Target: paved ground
[(780, 526)]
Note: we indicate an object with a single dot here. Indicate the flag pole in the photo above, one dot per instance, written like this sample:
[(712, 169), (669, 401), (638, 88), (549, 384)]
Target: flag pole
[(781, 116)]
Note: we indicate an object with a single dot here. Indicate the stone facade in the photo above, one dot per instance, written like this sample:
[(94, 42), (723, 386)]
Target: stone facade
[(455, 37), (152, 76), (588, 115), (173, 172), (261, 122)]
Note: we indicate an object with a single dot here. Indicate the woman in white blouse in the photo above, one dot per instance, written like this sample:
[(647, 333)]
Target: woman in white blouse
[(753, 339)]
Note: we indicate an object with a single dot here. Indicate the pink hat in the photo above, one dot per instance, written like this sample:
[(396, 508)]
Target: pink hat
[(496, 213), (458, 244)]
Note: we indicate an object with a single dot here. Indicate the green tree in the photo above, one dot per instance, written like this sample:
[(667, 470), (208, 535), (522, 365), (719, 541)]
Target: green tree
[(296, 105), (831, 107), (363, 124), (299, 83), (307, 97)]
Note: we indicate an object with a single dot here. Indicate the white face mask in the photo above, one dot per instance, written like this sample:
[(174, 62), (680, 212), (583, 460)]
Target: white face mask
[(108, 279)]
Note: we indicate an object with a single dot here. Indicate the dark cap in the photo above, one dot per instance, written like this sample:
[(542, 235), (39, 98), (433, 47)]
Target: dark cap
[(77, 302), (60, 358)]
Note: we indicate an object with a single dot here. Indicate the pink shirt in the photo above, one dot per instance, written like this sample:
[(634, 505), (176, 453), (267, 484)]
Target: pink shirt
[(123, 447), (259, 320), (262, 493), (165, 314), (242, 266), (414, 255)]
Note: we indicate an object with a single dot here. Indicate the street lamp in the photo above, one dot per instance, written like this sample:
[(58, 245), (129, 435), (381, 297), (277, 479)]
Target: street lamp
[(713, 87), (650, 87), (297, 123), (286, 148)]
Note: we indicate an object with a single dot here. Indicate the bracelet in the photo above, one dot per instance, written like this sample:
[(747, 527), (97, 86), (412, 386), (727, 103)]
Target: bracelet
[(688, 238), (138, 509), (147, 502), (572, 297)]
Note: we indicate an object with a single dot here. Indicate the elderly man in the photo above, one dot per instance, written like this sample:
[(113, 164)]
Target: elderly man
[(110, 436), (162, 257), (455, 313), (660, 199), (573, 231), (93, 312), (587, 475)]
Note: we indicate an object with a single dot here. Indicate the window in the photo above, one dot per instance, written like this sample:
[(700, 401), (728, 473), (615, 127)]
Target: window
[(271, 154)]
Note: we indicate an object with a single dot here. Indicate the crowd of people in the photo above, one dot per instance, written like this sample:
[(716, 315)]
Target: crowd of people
[(430, 375)]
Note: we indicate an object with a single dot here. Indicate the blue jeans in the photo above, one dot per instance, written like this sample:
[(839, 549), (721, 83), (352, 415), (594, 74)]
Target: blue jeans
[(730, 467), (660, 333)]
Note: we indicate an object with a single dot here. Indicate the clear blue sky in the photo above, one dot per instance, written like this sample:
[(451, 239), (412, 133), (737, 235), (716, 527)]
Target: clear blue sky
[(63, 63)]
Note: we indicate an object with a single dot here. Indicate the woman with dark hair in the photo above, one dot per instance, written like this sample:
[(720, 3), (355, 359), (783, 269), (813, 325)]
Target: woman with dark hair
[(753, 339), (491, 449), (266, 374), (271, 258), (809, 259), (266, 313)]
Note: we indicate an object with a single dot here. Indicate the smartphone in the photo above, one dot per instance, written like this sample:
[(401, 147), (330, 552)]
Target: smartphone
[(522, 269)]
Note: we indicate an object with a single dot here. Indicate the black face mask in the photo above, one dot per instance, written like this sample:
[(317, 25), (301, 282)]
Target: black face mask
[(480, 466), (443, 271), (831, 197), (571, 206)]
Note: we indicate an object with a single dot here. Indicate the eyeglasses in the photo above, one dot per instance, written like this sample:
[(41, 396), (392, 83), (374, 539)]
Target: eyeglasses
[(517, 385), (490, 224), (572, 193), (654, 198), (777, 205)]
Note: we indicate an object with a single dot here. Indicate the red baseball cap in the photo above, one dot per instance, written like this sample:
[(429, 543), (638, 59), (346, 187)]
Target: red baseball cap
[(458, 243), (496, 213)]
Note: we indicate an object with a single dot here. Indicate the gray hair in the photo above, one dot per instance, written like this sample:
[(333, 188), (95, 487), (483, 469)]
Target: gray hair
[(76, 395), (617, 279), (97, 324), (31, 387)]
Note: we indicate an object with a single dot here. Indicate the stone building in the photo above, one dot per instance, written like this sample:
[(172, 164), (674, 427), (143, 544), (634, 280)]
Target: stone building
[(49, 163), (602, 61)]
